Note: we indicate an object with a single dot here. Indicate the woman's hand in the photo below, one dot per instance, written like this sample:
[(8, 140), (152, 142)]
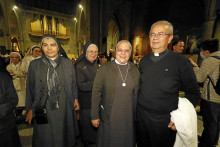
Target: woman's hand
[(29, 116), (193, 63)]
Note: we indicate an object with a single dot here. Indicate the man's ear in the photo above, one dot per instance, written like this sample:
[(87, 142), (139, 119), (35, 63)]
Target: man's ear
[(170, 38)]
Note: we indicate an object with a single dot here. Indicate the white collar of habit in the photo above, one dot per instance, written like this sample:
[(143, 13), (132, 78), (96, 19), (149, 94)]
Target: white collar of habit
[(116, 61)]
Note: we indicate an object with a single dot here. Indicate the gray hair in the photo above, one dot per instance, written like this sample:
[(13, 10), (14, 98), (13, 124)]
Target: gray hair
[(167, 23), (123, 41)]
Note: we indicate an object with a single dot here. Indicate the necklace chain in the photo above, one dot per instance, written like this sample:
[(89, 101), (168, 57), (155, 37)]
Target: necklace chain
[(123, 80)]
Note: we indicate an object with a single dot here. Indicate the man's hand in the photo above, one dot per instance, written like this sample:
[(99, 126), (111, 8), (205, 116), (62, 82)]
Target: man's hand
[(95, 122), (172, 126), (76, 104), (29, 116)]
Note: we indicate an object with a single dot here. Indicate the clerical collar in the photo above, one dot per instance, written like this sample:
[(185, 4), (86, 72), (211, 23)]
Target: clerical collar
[(160, 54), (156, 54), (116, 61)]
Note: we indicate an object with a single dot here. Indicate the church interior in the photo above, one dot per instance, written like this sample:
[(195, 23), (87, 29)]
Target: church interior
[(104, 23)]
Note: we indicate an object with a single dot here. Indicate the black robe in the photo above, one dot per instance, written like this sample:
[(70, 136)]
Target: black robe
[(85, 73), (8, 100), (62, 128)]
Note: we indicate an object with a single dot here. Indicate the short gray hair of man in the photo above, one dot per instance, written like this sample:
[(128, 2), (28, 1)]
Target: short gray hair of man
[(167, 23), (123, 41)]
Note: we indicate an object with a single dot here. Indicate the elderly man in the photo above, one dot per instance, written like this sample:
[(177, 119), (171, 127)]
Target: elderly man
[(178, 46), (51, 89), (163, 73), (114, 98)]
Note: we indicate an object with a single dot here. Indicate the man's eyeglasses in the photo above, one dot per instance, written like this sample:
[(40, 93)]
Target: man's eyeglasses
[(160, 34)]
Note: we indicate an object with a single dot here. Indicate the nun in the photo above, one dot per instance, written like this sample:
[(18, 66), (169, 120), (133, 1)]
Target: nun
[(86, 67), (52, 97)]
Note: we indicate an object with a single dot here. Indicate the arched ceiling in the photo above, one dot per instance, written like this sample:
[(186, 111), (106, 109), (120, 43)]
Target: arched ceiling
[(178, 11), (13, 24), (62, 6), (13, 20)]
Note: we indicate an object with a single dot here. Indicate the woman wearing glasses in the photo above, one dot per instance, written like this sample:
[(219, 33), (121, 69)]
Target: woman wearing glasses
[(33, 53), (86, 68)]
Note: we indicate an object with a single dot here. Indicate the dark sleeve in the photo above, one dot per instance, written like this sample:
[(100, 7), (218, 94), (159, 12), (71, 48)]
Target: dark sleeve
[(30, 87), (9, 96), (97, 94), (74, 86), (189, 83), (82, 81)]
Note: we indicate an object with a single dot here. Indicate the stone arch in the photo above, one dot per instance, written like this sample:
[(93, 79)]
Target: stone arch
[(81, 32), (113, 34), (14, 31)]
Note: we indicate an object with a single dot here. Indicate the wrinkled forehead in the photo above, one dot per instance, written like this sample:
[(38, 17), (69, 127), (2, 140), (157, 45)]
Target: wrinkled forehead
[(123, 45), (159, 28)]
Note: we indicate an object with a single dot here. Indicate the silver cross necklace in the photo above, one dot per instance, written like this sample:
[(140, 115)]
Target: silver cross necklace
[(123, 80)]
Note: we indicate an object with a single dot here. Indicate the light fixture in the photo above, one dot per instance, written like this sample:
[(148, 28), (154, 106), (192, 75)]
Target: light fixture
[(75, 19), (15, 7), (80, 6)]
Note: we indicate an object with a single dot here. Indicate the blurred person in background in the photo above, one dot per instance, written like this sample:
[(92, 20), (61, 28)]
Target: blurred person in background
[(178, 46), (19, 80), (33, 53), (210, 103)]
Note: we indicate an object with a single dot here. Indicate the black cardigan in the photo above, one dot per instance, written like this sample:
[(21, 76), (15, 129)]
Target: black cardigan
[(161, 81), (85, 75)]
